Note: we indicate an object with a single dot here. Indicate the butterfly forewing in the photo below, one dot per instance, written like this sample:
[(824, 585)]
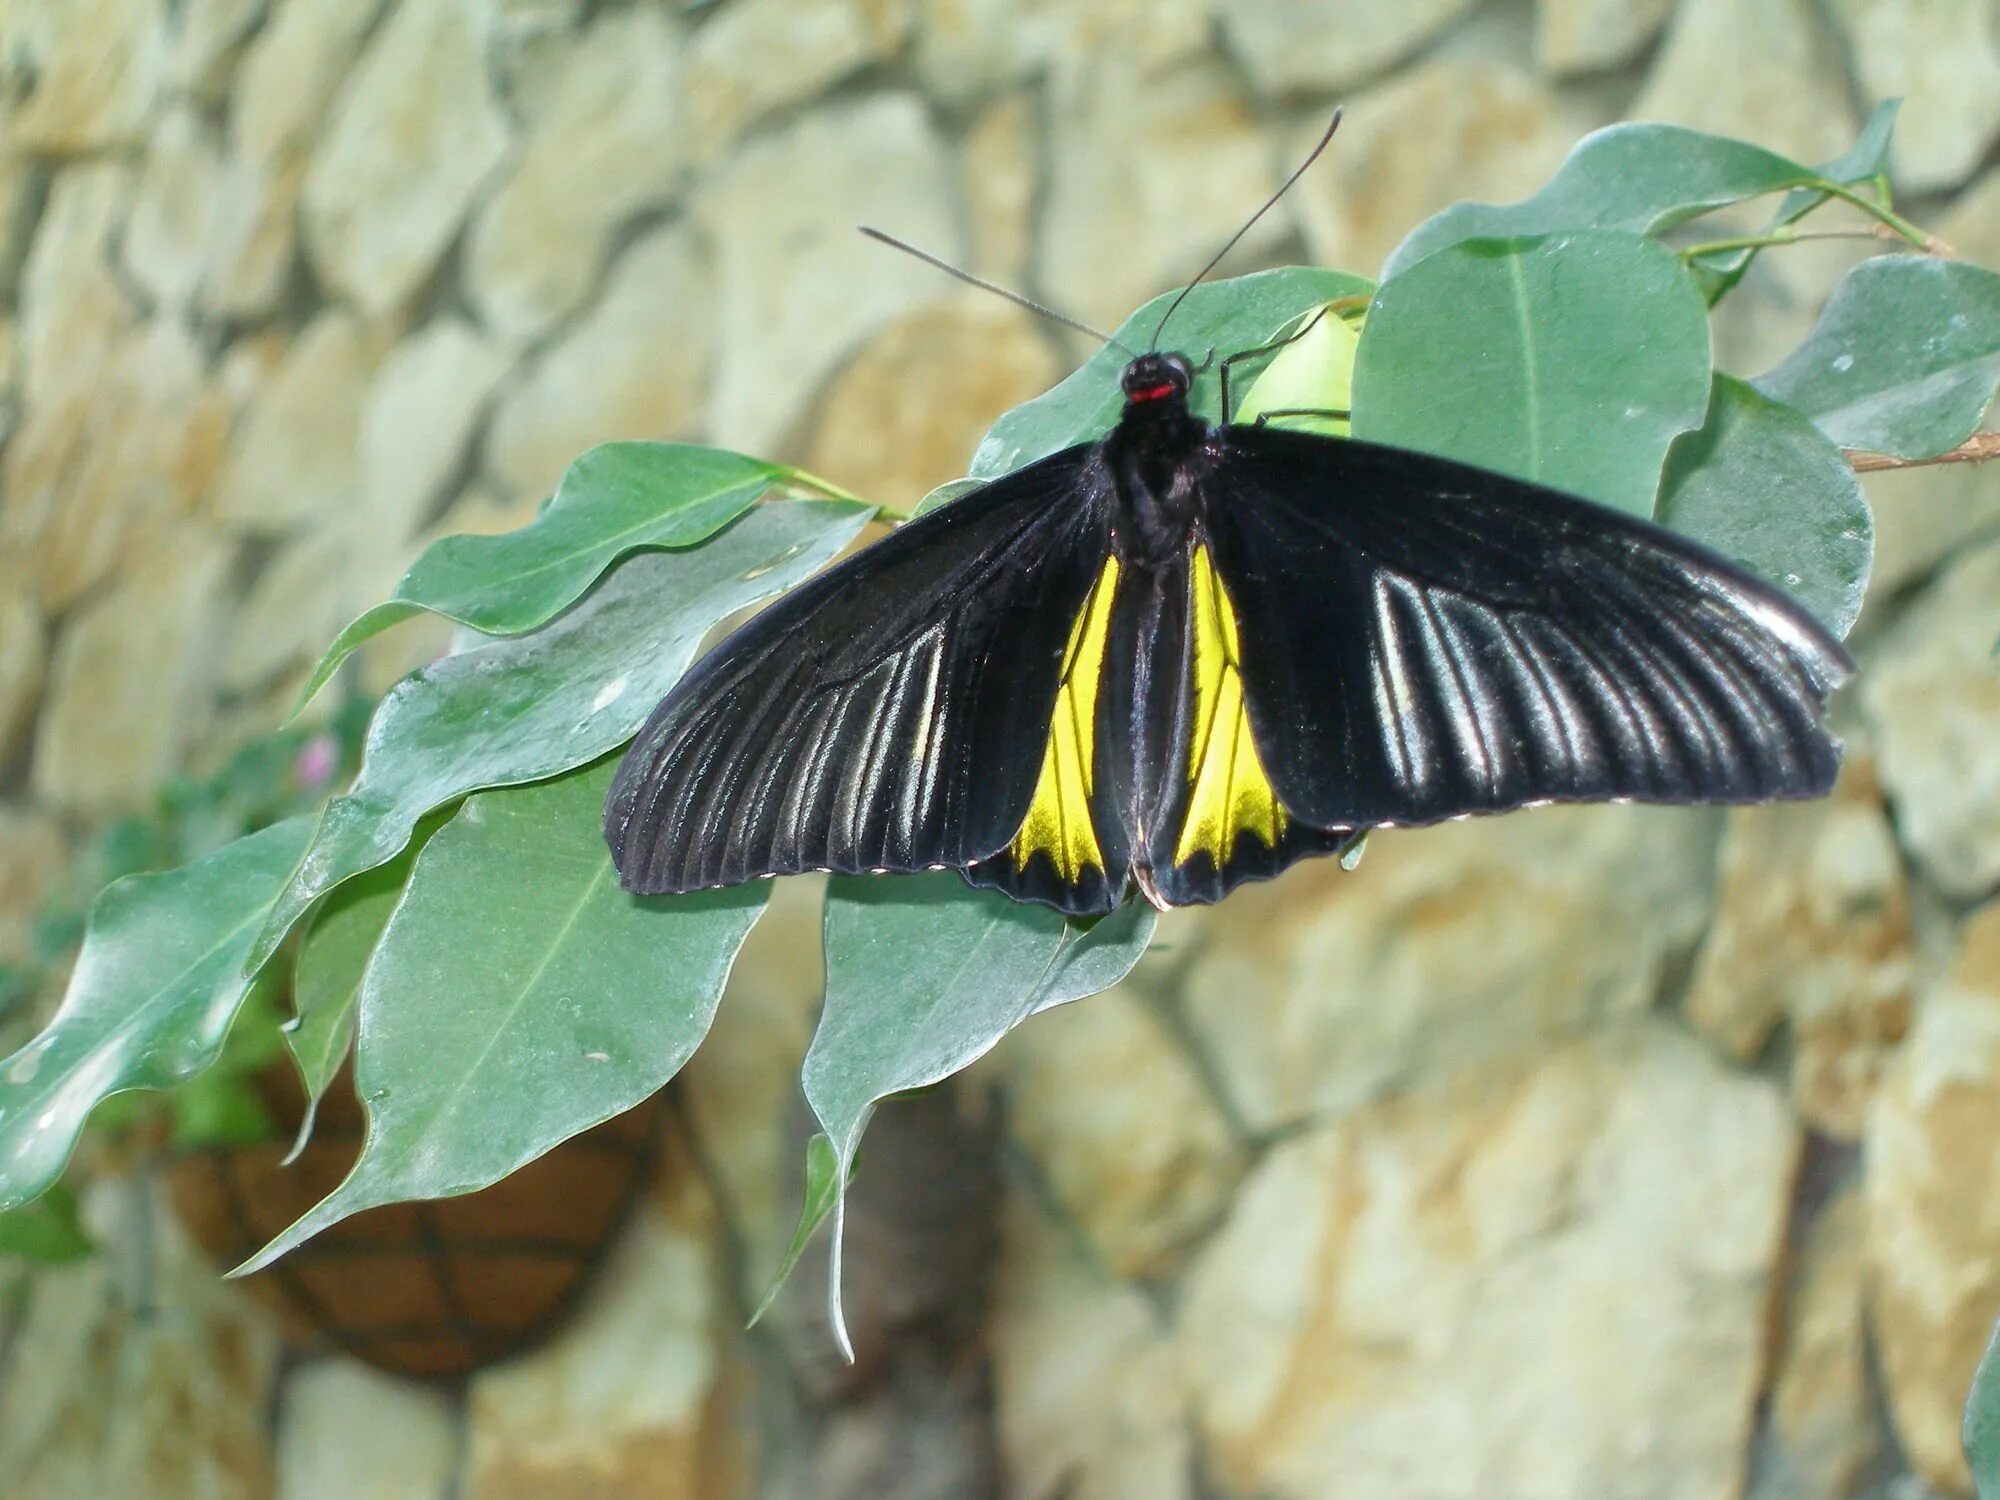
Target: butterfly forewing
[(892, 714), (1423, 640)]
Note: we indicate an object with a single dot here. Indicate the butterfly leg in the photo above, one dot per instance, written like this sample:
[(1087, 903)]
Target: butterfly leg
[(1332, 413), (1243, 354)]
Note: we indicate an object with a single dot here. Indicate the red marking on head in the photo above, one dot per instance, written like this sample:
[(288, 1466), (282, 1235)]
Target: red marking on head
[(1158, 392)]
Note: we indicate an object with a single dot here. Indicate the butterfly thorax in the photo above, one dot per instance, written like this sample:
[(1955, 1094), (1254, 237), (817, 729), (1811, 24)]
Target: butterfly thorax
[(1156, 455)]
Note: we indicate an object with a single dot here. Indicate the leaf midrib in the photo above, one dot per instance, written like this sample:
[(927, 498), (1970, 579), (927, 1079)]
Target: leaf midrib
[(1531, 392), (446, 1105)]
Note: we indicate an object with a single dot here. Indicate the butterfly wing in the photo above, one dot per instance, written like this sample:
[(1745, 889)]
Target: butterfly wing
[(1069, 848), (1423, 639), (891, 714), (1215, 820)]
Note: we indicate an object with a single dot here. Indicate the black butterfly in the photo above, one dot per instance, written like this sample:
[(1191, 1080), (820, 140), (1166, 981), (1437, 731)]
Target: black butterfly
[(1187, 655)]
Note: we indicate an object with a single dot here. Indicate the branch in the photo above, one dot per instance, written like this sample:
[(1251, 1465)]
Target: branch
[(1899, 226), (1932, 245), (1976, 449)]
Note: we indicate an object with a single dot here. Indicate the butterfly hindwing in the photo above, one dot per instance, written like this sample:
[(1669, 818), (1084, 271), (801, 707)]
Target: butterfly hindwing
[(1221, 820), (1424, 640), (1068, 849), (892, 714)]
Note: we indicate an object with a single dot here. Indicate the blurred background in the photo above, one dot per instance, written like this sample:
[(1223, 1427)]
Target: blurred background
[(1611, 1154)]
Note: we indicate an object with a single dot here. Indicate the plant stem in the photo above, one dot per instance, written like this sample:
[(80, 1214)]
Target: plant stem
[(1777, 237), (1977, 449), (833, 491), (1887, 215)]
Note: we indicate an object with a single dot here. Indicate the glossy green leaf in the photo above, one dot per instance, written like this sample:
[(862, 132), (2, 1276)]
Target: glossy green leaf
[(1097, 956), (1574, 360), (46, 1231), (1982, 1424), (1904, 360), (1759, 483), (1313, 373), (159, 979), (1090, 958), (1866, 161), (1643, 178), (617, 499), (1223, 316), (536, 705), (945, 494), (519, 997), (326, 988), (823, 1186), (923, 975)]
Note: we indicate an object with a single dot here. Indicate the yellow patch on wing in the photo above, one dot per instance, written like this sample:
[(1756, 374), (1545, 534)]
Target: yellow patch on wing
[(1230, 795), (1058, 821)]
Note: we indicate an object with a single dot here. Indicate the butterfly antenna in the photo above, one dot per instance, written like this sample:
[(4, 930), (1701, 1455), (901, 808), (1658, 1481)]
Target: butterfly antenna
[(1269, 203), (999, 291)]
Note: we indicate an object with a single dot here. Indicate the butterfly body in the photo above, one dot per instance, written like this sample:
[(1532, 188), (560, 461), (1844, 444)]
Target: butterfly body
[(1157, 459), (1188, 655)]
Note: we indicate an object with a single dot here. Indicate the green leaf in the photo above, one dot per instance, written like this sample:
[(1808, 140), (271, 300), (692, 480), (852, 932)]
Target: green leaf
[(1643, 178), (823, 1187), (534, 706), (617, 499), (1759, 483), (923, 975), (1867, 160), (519, 997), (161, 975), (1982, 1424), (944, 494), (1573, 360), (1222, 316), (1313, 373), (46, 1231), (326, 990), (1098, 955), (1904, 360), (1090, 958)]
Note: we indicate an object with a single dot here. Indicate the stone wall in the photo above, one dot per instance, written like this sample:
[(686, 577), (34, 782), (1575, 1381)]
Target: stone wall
[(1608, 1154)]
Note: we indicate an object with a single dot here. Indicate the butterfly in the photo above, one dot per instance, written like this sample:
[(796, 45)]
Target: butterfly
[(1188, 654)]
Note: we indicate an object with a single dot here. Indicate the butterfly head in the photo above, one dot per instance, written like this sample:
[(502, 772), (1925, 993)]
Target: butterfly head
[(1155, 378)]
